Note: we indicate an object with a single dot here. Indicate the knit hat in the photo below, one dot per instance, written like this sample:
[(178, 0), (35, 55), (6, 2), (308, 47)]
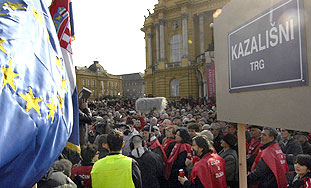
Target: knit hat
[(256, 127), (230, 139)]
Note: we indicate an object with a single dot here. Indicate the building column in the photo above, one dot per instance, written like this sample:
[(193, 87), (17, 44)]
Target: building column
[(162, 40), (184, 17), (149, 50), (157, 43), (185, 48), (201, 33), (162, 44)]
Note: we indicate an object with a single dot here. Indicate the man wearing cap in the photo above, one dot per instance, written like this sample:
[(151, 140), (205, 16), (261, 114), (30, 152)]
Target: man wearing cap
[(231, 159), (269, 167), (218, 135), (290, 147), (254, 145), (302, 137)]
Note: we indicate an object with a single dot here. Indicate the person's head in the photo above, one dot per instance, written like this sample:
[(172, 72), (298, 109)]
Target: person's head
[(215, 129), (255, 131), (130, 123), (88, 153), (231, 127), (201, 145), (268, 135), (183, 136), (301, 137), (166, 122), (170, 131), (205, 127), (137, 123), (102, 142), (302, 164), (228, 141), (63, 165), (136, 141), (177, 121), (156, 131), (146, 133), (208, 134), (193, 129), (115, 141), (286, 133), (154, 121)]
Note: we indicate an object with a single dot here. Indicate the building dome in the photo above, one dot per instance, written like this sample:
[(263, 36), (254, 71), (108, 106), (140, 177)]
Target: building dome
[(96, 67)]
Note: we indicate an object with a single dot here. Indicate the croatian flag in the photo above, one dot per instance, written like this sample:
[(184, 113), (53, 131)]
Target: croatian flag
[(61, 12)]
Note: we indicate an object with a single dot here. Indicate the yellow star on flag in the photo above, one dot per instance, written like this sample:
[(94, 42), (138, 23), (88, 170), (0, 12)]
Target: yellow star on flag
[(64, 85), (58, 17), (59, 62), (52, 108), (1, 47), (9, 75), (37, 15), (14, 6), (32, 102), (61, 101)]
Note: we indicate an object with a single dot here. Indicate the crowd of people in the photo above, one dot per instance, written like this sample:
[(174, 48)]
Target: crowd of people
[(183, 146)]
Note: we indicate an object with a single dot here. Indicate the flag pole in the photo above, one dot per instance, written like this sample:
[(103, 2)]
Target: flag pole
[(242, 155)]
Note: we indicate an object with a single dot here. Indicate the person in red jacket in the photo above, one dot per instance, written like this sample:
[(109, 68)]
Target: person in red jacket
[(269, 167), (81, 175), (209, 171), (254, 145)]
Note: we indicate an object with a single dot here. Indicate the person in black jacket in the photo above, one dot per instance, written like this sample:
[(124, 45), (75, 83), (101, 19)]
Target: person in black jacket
[(150, 163), (85, 117), (301, 178), (290, 147), (218, 135), (302, 137), (58, 176)]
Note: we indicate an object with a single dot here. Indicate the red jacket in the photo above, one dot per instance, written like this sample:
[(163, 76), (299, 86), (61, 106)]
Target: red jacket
[(210, 170), (275, 159), (84, 175), (155, 144), (178, 148)]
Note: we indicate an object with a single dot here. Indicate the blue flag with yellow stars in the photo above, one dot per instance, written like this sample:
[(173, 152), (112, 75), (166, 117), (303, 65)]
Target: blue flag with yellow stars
[(36, 114)]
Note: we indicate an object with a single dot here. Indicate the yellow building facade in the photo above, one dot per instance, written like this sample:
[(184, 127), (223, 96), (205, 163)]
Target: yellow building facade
[(179, 43), (96, 79)]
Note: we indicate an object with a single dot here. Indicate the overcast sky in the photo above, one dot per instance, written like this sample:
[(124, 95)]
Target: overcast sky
[(109, 31)]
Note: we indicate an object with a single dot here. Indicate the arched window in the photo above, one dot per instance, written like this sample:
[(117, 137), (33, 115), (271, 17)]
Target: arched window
[(176, 48), (175, 88)]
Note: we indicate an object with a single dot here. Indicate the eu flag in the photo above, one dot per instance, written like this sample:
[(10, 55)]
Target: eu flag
[(36, 114), (61, 11)]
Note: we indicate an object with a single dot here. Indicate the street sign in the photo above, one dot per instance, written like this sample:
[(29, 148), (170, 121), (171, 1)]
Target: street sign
[(269, 51)]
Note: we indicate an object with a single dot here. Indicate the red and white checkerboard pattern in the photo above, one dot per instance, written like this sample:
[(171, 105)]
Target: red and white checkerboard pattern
[(65, 41)]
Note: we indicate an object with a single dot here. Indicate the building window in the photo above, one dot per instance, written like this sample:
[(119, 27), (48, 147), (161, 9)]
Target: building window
[(94, 83), (176, 48), (83, 82), (88, 82), (175, 88)]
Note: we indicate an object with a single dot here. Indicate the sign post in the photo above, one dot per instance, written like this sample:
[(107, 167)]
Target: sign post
[(242, 155)]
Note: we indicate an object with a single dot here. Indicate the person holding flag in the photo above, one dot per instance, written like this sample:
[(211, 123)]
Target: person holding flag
[(35, 93)]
